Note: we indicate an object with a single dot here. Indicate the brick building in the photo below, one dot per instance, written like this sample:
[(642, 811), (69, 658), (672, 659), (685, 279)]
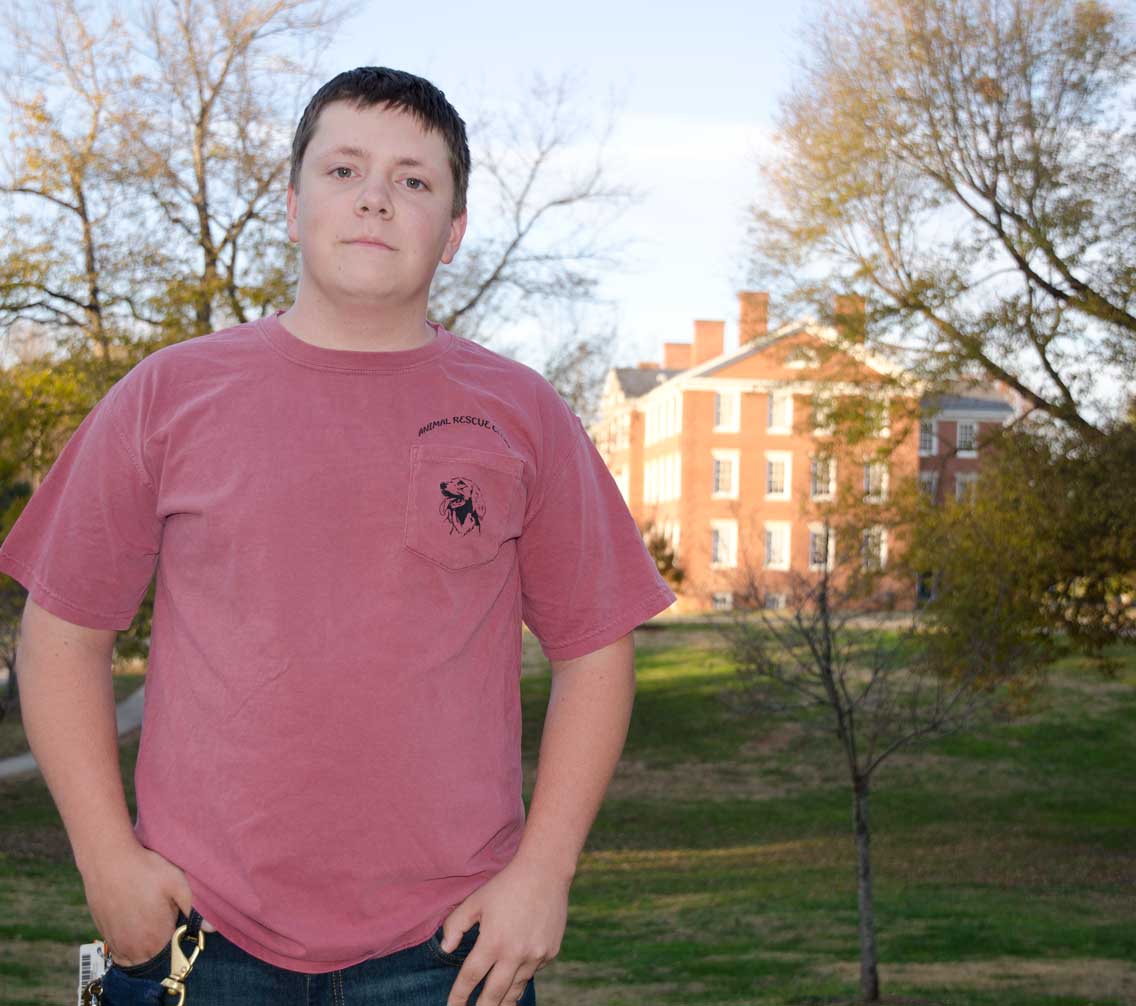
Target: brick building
[(730, 454)]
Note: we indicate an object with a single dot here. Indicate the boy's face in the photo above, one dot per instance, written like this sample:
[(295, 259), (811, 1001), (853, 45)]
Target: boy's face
[(373, 210)]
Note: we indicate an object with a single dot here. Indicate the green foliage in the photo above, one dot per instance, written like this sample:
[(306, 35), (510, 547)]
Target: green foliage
[(969, 164), (659, 545), (1041, 559)]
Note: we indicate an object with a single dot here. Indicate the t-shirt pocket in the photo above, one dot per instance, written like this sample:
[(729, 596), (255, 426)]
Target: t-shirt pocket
[(463, 503)]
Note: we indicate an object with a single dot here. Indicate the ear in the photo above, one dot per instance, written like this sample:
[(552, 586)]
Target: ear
[(453, 242), (293, 211)]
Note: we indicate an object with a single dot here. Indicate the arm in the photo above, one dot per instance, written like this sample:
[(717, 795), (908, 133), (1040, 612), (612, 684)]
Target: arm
[(523, 910), (589, 710), (67, 705)]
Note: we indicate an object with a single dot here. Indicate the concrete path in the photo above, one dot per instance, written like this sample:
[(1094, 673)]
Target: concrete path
[(128, 716)]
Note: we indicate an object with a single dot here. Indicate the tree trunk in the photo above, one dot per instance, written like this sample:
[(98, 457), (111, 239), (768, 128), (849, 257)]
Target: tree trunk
[(869, 973)]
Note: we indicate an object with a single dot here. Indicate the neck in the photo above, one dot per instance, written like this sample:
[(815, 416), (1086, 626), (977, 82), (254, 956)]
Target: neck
[(362, 325)]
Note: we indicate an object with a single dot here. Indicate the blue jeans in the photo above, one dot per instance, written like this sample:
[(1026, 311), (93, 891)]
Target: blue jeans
[(226, 975)]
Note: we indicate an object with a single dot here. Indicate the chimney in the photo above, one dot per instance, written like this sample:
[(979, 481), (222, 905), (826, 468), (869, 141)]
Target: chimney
[(753, 315), (849, 311), (676, 355), (648, 365), (709, 338)]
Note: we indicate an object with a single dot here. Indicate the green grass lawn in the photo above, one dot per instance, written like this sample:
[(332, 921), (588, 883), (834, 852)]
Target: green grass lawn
[(720, 871)]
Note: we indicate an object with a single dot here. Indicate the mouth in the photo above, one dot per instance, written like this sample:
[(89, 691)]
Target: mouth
[(367, 243)]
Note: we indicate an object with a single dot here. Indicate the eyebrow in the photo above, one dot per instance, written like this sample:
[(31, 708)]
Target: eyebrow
[(359, 152)]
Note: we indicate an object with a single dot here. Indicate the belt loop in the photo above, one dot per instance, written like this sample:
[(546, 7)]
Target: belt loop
[(193, 924)]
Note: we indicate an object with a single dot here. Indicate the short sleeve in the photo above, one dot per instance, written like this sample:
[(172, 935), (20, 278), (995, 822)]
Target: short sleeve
[(587, 579), (87, 542)]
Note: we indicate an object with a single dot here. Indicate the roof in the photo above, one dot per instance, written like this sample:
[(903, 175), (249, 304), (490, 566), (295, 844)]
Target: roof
[(969, 403), (636, 381)]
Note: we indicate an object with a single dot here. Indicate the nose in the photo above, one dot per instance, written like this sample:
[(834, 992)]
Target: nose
[(375, 198)]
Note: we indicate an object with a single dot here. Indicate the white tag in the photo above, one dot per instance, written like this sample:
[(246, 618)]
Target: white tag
[(92, 965)]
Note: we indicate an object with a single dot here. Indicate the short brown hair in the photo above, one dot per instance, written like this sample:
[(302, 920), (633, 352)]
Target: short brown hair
[(366, 86)]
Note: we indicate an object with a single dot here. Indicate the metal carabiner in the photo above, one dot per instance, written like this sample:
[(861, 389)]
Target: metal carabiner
[(180, 965)]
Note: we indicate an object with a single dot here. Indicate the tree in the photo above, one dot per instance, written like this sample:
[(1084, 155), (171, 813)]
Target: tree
[(662, 551), (877, 688), (150, 166), (1041, 556), (145, 192), (970, 164), (544, 200)]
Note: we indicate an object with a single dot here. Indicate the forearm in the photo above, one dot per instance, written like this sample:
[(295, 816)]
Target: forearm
[(585, 727), (68, 711)]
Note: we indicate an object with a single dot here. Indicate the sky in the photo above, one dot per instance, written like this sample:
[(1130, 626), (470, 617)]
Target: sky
[(696, 89)]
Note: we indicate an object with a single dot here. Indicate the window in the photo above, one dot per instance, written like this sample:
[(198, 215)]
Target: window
[(663, 418), (822, 415), (965, 485), (822, 547), (928, 438), (723, 543), (725, 411), (967, 438), (929, 483), (622, 479), (875, 481), (725, 484), (822, 478), (780, 417), (874, 548), (777, 544), (881, 412), (800, 357), (778, 474), (722, 600), (774, 602), (662, 479)]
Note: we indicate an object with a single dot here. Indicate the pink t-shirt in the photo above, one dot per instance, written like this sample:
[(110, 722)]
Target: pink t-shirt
[(345, 544)]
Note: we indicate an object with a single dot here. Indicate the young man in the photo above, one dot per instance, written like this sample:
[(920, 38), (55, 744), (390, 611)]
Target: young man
[(350, 510)]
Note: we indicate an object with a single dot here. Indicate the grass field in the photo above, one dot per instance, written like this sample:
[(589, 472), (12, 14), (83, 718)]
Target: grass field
[(720, 871)]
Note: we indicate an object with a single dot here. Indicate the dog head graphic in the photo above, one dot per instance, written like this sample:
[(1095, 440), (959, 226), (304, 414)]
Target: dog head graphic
[(462, 505)]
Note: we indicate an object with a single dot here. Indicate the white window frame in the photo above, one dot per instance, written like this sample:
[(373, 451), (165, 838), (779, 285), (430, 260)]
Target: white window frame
[(623, 481), (883, 493), (783, 528), (733, 457), (827, 494), (726, 411), (966, 484), (801, 357), (821, 402), (786, 457), (773, 398), (722, 600), (966, 452), (933, 450), (882, 532), (884, 429), (727, 531), (818, 529), (929, 483)]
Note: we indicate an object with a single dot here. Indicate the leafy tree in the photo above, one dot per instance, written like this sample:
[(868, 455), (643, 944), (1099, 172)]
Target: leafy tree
[(148, 166), (536, 242), (1040, 560), (144, 196), (828, 657), (662, 551), (969, 163)]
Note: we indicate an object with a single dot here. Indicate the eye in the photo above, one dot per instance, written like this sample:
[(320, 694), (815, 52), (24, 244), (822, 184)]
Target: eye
[(340, 168), (416, 184)]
